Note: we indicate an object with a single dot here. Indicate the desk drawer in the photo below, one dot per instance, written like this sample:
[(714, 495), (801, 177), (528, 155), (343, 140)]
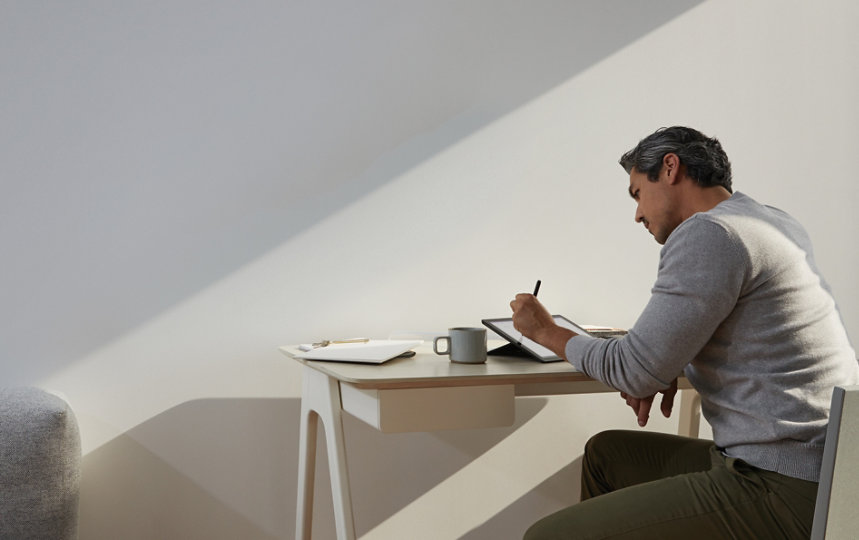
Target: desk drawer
[(431, 409)]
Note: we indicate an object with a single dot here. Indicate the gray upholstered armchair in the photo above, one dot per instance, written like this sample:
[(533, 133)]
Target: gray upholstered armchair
[(40, 456)]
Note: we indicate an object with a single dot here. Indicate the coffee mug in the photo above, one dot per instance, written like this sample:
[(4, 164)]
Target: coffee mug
[(464, 345)]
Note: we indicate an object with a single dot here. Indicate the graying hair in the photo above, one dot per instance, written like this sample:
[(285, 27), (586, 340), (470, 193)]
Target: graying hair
[(705, 160)]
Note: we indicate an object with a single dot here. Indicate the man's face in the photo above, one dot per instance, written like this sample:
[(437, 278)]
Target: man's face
[(656, 208)]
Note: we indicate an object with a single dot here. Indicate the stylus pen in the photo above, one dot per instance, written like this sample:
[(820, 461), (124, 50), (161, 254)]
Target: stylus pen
[(537, 288)]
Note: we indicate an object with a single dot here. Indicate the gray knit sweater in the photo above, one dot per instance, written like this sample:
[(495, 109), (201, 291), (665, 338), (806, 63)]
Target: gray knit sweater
[(739, 306)]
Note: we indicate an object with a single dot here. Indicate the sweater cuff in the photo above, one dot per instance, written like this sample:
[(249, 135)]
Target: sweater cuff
[(575, 350)]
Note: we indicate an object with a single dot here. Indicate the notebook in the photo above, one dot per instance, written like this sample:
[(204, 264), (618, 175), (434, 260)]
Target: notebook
[(374, 351)]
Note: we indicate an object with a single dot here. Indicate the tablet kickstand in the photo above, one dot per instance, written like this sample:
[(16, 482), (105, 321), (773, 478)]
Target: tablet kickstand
[(510, 349)]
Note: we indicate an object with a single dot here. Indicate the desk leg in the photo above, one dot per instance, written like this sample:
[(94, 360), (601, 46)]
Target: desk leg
[(306, 465), (320, 400), (690, 413)]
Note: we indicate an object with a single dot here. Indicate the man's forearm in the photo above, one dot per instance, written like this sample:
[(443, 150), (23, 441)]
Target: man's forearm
[(555, 339)]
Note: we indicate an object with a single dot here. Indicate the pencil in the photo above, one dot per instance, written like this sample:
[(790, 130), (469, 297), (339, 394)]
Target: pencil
[(537, 288)]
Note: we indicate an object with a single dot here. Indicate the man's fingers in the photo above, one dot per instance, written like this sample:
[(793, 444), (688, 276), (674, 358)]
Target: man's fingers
[(631, 401), (643, 411), (667, 403), (641, 406)]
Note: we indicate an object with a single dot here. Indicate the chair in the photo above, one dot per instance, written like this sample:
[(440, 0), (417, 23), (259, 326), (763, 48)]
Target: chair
[(835, 513), (40, 454)]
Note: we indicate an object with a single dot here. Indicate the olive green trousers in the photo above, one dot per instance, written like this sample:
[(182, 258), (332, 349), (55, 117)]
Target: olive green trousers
[(640, 485)]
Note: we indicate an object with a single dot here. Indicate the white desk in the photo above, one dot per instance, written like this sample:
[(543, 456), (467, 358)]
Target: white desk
[(423, 393)]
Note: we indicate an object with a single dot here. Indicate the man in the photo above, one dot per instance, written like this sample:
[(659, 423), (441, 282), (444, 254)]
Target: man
[(739, 306)]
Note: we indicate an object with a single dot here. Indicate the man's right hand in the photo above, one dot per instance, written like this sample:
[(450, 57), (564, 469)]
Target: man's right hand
[(535, 322), (642, 406)]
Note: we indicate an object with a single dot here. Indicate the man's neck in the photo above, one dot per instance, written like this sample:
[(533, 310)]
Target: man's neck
[(704, 199)]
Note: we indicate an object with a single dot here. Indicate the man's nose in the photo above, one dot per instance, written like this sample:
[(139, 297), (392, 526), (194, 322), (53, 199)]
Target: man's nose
[(639, 217)]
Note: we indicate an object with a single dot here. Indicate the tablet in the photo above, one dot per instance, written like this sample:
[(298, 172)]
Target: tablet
[(522, 346)]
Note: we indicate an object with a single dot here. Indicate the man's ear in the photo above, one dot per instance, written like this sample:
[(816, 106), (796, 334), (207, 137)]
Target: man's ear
[(671, 167)]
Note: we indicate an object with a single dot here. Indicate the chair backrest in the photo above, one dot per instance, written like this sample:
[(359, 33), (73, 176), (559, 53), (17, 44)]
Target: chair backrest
[(836, 515)]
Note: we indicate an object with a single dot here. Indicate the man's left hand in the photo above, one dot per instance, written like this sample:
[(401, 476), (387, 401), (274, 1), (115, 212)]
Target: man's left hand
[(642, 406)]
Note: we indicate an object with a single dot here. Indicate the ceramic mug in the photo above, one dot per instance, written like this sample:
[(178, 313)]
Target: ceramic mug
[(464, 345)]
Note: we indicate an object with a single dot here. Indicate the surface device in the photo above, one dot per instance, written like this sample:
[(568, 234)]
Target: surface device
[(519, 345)]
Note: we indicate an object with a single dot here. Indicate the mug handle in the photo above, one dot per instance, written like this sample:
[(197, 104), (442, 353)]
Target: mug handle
[(435, 344)]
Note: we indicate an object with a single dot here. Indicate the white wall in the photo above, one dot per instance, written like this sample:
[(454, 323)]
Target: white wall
[(188, 185)]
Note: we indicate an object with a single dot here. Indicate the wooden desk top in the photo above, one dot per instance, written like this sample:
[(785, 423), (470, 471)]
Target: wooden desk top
[(427, 370)]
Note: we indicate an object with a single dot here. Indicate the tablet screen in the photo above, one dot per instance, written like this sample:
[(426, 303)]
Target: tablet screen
[(504, 328)]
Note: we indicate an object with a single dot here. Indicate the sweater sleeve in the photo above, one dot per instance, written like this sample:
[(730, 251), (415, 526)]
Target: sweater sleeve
[(702, 269)]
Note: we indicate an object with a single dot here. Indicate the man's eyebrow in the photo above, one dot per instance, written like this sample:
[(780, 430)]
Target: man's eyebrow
[(631, 194)]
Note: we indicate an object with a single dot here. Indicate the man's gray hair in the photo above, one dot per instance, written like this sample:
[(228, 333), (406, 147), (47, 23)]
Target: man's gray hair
[(703, 157)]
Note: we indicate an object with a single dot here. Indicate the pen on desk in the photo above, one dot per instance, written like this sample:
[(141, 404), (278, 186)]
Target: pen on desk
[(327, 342)]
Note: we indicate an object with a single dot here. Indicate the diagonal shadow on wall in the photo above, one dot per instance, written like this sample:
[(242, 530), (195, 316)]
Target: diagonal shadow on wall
[(153, 148), (555, 493), (204, 470)]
